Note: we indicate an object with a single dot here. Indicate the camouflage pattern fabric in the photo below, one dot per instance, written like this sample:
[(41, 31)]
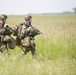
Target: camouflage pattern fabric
[(19, 29), (10, 41), (3, 48), (18, 41), (6, 38), (27, 42), (8, 30), (2, 31)]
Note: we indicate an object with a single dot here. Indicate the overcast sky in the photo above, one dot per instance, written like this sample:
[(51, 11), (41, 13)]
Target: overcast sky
[(35, 6)]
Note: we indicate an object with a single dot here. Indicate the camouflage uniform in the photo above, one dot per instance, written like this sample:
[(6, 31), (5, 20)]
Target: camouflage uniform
[(28, 42), (25, 36), (23, 39), (3, 47), (6, 32)]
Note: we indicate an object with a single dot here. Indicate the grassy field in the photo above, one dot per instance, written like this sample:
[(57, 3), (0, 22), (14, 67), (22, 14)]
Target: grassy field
[(55, 49)]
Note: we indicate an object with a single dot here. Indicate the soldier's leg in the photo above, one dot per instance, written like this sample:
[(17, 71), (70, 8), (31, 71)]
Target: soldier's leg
[(11, 45), (33, 51), (25, 50), (4, 49), (24, 53)]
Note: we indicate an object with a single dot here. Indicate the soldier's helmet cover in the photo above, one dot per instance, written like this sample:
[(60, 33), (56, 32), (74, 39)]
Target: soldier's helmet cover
[(1, 18), (28, 17), (4, 16)]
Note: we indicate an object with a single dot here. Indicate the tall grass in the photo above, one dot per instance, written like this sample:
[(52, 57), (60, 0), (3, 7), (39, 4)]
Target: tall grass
[(55, 49)]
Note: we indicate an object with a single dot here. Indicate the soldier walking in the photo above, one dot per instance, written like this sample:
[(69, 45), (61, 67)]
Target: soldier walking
[(5, 39), (26, 33)]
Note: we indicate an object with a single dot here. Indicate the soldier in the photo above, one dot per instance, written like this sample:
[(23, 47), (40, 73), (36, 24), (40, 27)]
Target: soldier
[(7, 39), (26, 33), (3, 47), (28, 42)]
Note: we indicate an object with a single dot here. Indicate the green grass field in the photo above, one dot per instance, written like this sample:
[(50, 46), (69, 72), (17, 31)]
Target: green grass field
[(55, 49)]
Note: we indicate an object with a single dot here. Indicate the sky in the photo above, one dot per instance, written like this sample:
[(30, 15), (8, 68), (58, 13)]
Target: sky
[(22, 7)]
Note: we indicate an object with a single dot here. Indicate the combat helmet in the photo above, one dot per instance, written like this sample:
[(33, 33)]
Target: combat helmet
[(4, 16), (28, 17), (1, 18)]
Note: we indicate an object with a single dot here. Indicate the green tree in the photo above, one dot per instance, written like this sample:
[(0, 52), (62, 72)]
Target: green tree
[(74, 10)]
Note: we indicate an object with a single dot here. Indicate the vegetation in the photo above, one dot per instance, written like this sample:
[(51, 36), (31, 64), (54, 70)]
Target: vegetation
[(74, 10), (55, 49)]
